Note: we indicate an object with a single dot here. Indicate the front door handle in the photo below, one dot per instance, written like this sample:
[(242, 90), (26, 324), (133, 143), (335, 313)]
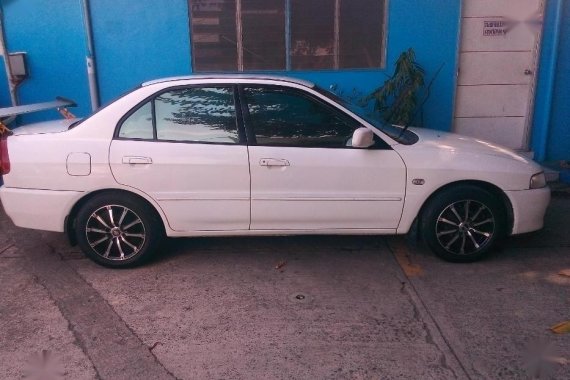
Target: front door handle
[(137, 160), (273, 162)]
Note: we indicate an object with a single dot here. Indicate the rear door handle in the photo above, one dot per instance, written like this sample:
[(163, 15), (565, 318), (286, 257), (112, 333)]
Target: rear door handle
[(273, 162), (136, 160)]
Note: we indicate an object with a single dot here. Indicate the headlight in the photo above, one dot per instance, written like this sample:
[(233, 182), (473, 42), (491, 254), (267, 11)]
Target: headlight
[(538, 181)]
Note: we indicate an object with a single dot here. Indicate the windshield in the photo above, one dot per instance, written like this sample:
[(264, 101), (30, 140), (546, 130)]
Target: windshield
[(393, 131)]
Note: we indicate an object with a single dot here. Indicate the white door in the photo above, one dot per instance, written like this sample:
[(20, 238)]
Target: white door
[(189, 157), (303, 175), (497, 70)]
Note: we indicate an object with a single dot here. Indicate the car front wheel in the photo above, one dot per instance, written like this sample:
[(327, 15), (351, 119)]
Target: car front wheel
[(463, 223), (117, 230)]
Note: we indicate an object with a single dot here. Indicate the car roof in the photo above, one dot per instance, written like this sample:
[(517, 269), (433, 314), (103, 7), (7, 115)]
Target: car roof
[(233, 77)]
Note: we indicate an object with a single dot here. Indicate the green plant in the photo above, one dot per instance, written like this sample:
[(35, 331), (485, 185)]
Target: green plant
[(397, 99)]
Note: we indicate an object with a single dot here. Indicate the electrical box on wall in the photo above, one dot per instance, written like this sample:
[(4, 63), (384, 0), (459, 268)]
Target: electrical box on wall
[(19, 65)]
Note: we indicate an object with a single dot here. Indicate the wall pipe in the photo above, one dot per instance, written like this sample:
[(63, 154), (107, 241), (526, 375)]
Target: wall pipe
[(91, 67), (547, 79), (12, 86)]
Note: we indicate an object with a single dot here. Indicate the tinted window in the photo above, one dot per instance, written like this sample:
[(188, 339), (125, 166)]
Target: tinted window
[(139, 124), (313, 44), (287, 117), (214, 35), (401, 135), (200, 114), (263, 32), (287, 34), (361, 33)]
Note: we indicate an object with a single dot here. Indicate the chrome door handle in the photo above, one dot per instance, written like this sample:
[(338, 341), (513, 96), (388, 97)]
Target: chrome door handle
[(136, 160), (273, 162)]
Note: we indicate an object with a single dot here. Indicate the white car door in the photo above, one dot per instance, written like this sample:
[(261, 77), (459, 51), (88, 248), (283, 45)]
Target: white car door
[(303, 174), (184, 148)]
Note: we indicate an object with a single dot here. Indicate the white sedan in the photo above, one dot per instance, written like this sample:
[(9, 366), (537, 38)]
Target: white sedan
[(258, 155)]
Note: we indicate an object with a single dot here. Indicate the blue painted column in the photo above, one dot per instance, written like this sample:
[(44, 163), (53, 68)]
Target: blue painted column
[(558, 145), (546, 78)]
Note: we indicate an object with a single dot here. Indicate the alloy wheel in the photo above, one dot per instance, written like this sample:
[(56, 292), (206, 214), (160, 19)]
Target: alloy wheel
[(115, 232), (465, 227)]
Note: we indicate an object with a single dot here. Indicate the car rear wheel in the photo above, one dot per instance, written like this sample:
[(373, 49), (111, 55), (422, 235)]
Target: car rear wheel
[(463, 223), (117, 230)]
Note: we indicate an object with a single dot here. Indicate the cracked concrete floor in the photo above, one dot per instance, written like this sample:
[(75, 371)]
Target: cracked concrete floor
[(337, 307)]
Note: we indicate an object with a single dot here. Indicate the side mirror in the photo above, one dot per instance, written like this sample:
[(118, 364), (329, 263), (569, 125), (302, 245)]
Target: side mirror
[(362, 138)]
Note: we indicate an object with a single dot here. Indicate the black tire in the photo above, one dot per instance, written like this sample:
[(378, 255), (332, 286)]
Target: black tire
[(463, 223), (126, 236)]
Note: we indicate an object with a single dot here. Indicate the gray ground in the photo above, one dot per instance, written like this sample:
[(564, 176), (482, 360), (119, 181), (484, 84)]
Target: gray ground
[(338, 307)]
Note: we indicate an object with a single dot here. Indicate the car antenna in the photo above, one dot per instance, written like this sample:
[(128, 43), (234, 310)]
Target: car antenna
[(426, 98)]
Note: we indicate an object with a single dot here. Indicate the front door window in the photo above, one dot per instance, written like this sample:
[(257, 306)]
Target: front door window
[(288, 117)]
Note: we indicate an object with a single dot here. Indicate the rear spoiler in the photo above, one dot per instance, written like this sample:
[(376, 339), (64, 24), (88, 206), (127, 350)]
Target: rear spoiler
[(8, 114), (58, 103)]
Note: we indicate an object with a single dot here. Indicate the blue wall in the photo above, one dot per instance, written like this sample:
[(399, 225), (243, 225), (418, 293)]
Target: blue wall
[(136, 41), (140, 40), (53, 38), (4, 90), (431, 28)]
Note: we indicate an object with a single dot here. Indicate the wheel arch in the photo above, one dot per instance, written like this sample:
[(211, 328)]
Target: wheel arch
[(493, 189), (70, 220)]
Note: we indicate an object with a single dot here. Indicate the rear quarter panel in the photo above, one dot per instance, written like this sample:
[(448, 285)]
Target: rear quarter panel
[(40, 162)]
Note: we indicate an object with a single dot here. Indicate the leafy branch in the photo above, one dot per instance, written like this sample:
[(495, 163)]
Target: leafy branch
[(397, 99)]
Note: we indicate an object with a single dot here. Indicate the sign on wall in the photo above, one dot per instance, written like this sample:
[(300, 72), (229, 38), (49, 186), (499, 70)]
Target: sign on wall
[(494, 28)]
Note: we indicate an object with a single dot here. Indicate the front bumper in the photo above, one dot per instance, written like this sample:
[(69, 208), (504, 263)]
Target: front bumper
[(529, 208), (38, 209)]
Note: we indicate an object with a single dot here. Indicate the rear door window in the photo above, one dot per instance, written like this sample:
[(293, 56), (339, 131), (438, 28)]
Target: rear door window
[(199, 114), (191, 114)]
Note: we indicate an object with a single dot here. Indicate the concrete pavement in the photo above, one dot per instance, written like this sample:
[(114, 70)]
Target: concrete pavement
[(288, 307)]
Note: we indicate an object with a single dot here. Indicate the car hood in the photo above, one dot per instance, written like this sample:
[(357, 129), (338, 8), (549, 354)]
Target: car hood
[(54, 126), (429, 138)]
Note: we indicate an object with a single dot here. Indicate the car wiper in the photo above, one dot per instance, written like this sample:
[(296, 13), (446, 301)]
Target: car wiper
[(426, 98)]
